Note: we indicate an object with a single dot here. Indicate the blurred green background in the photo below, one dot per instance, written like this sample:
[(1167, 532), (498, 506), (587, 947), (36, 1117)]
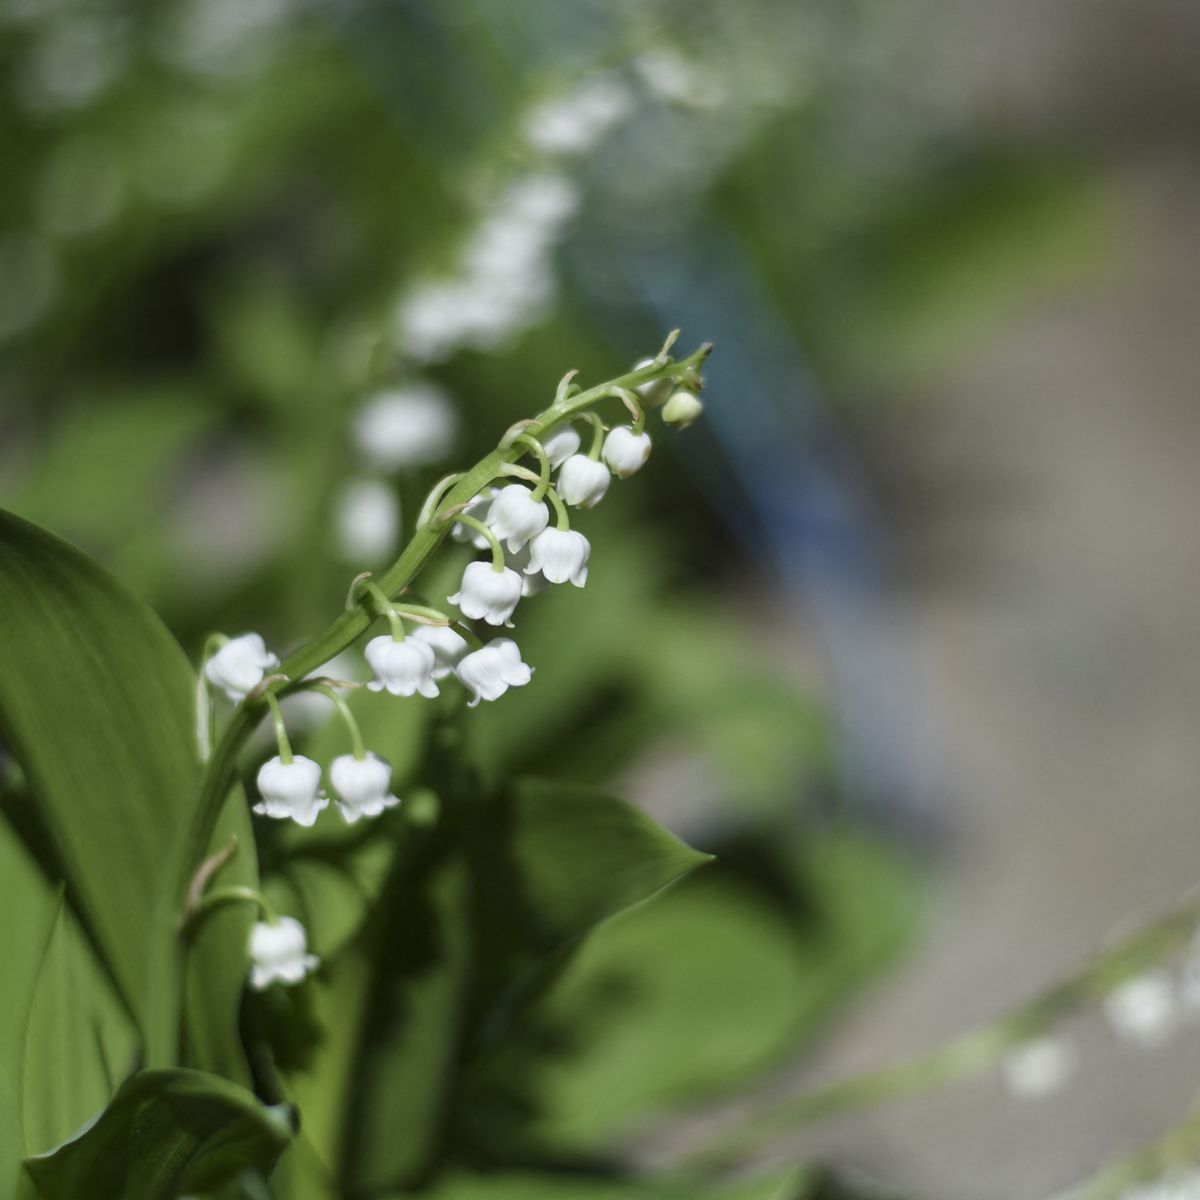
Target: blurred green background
[(227, 225)]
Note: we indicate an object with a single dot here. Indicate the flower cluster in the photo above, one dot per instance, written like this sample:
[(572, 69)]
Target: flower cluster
[(517, 512)]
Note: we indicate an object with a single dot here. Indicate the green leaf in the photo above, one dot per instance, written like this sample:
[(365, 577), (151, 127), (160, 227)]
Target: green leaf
[(411, 1040), (553, 860), (95, 703), (218, 954), (699, 991), (459, 938), (165, 1133), (79, 1041), (331, 886), (24, 890)]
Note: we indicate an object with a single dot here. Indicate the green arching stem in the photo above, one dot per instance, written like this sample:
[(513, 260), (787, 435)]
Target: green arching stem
[(498, 560), (539, 452), (636, 409), (560, 509), (422, 614), (597, 436), (164, 979), (970, 1052), (513, 471), (233, 894), (384, 607), (285, 746), (204, 701), (1178, 1148), (356, 741), (434, 499)]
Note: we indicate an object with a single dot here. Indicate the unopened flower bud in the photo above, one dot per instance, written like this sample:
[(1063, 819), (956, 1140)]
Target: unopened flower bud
[(363, 786), (488, 594), (583, 481), (290, 791), (491, 670), (515, 516), (559, 555), (239, 666), (626, 452), (279, 953), (404, 666), (655, 391), (682, 409)]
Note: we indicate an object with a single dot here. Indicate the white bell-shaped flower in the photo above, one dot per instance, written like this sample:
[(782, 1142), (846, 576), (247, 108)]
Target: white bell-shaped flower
[(559, 555), (515, 516), (279, 953), (239, 665), (405, 427), (487, 594), (363, 786), (625, 451), (491, 670), (290, 791), (532, 582), (561, 444), (477, 508), (402, 665), (583, 481), (447, 646)]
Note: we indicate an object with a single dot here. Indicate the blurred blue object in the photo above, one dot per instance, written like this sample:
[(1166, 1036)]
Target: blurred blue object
[(786, 482)]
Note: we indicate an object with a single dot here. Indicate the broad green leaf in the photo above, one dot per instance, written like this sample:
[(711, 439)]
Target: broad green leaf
[(24, 890), (79, 1041), (546, 864), (697, 992), (553, 860), (410, 1042), (792, 1183), (165, 1133), (95, 703), (315, 1032), (218, 954)]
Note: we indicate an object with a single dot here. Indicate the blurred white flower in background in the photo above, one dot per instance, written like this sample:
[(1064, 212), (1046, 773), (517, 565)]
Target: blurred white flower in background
[(366, 520), (1038, 1068), (577, 121), (504, 280), (1143, 1010), (405, 427)]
